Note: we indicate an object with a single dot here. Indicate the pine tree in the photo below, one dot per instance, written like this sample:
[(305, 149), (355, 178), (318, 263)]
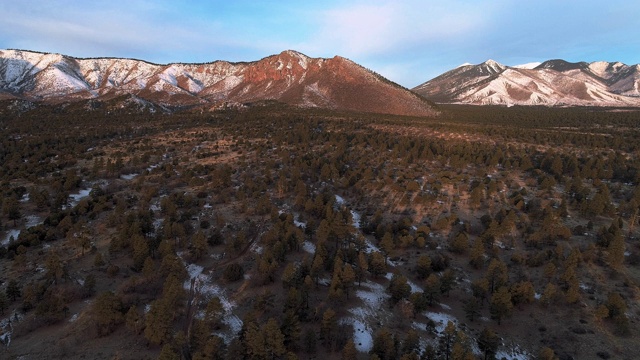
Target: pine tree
[(273, 340), (348, 278), (472, 308), (496, 275), (4, 303), (133, 320), (549, 294), (167, 353), (349, 351), (158, 322), (399, 288), (488, 343), (423, 266), (460, 243), (383, 344), (362, 268), (199, 246), (547, 353), (616, 249), (290, 329), (377, 264), (501, 304), (432, 288), (447, 339), (387, 245), (447, 281), (522, 293), (107, 311), (480, 289), (13, 290), (328, 327), (476, 259)]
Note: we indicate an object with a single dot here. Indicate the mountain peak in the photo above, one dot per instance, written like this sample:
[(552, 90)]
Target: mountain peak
[(289, 77), (492, 62), (562, 65), (492, 66), (552, 83)]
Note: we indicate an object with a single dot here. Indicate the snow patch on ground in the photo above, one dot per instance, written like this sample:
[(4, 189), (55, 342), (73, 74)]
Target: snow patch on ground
[(6, 328), (373, 296), (309, 247), (11, 233), (33, 220), (515, 353), (362, 335), (370, 247), (300, 224), (128, 176), (75, 198), (339, 201), (73, 318), (440, 319), (202, 283), (257, 248), (355, 216)]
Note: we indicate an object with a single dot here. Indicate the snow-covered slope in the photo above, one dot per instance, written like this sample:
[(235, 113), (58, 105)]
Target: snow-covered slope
[(552, 83), (289, 77)]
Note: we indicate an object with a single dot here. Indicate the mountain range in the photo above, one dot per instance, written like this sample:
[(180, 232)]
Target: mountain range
[(289, 77), (551, 83), (296, 79)]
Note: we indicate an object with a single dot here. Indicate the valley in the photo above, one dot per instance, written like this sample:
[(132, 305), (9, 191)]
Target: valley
[(269, 230)]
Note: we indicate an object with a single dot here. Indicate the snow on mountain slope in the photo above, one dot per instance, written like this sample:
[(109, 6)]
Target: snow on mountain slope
[(552, 83), (289, 77), (531, 65)]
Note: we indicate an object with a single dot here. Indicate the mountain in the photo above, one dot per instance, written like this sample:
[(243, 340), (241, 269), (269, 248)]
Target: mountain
[(551, 83), (289, 77)]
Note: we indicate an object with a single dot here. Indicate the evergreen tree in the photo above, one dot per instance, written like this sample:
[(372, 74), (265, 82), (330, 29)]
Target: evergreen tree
[(383, 344), (377, 264), (349, 351), (107, 311), (432, 288), (472, 308), (423, 266), (4, 303), (399, 288), (168, 353), (13, 290), (488, 342), (496, 275), (133, 320), (501, 304), (158, 322)]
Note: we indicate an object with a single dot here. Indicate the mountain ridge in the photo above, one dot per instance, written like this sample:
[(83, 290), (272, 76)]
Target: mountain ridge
[(290, 77), (553, 82)]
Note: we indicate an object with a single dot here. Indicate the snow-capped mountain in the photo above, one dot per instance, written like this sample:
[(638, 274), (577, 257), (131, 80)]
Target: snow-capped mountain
[(289, 77), (552, 83)]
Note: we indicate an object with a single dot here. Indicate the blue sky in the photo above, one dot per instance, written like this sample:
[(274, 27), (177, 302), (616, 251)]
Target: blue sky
[(407, 41)]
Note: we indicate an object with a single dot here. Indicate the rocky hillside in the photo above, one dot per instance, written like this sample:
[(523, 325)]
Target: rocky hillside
[(289, 77), (552, 83)]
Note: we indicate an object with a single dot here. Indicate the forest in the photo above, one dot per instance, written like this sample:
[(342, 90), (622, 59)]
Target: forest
[(275, 232)]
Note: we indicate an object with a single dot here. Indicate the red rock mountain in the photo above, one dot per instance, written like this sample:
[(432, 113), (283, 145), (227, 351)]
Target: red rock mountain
[(289, 77)]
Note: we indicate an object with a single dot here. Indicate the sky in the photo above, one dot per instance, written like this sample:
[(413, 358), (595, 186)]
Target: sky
[(408, 41)]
